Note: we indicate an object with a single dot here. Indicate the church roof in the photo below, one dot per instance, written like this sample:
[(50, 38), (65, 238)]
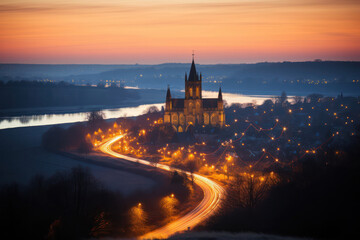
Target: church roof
[(178, 103), (210, 103), (193, 75)]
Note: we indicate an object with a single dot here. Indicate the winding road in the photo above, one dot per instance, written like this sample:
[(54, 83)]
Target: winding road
[(213, 194)]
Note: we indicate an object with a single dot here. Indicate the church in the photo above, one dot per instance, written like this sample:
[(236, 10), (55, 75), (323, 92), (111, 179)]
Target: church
[(193, 110)]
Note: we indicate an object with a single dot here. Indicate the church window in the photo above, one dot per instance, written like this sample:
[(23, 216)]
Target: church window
[(206, 118), (191, 105), (197, 107), (175, 119), (182, 119), (214, 119)]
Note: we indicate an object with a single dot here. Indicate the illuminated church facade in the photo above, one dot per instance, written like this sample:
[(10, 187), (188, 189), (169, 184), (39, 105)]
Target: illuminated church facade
[(193, 110)]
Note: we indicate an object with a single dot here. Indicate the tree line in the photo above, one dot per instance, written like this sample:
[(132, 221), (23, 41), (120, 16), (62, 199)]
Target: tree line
[(73, 204)]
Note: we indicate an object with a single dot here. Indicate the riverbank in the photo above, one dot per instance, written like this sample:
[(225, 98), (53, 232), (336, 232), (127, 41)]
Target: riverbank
[(128, 109)]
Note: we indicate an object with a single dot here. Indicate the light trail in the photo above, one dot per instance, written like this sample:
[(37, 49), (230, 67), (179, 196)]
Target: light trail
[(213, 194)]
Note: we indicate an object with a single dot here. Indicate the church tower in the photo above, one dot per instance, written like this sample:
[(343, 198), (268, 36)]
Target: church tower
[(193, 83), (193, 98), (168, 104)]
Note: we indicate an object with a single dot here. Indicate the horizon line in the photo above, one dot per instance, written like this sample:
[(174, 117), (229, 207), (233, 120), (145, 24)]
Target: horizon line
[(144, 64)]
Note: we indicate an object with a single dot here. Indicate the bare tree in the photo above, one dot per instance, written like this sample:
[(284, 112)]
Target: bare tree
[(191, 166), (313, 98), (95, 119), (82, 182), (102, 226), (246, 191), (151, 109), (298, 99), (282, 99)]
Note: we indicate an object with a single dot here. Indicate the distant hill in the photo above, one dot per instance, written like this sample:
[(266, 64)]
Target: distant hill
[(317, 76)]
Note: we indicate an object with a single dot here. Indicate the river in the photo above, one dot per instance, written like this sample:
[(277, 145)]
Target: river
[(61, 118)]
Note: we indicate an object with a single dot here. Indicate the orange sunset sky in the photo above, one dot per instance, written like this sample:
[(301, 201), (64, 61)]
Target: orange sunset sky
[(157, 31)]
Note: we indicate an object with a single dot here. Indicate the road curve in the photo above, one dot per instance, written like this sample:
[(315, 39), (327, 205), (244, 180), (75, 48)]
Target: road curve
[(213, 193)]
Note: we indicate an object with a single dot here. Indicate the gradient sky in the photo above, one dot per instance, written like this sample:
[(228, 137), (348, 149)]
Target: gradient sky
[(157, 31)]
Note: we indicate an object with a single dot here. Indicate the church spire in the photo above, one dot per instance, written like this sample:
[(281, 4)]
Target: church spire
[(220, 94), (168, 94), (193, 75)]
